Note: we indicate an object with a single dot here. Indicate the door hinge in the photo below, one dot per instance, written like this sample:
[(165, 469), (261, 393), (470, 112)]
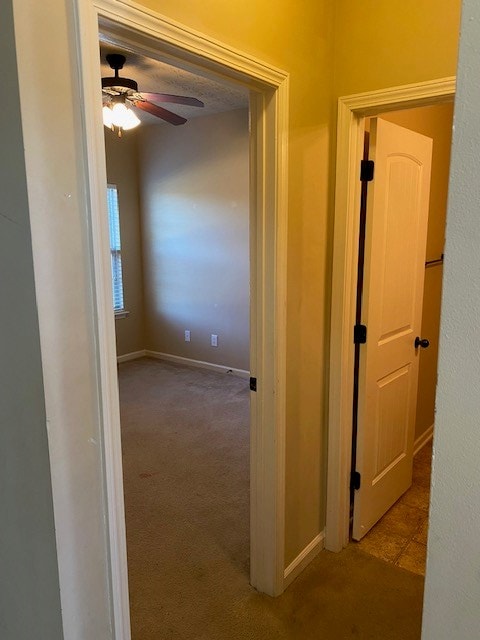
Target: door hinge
[(355, 480), (367, 168), (253, 384), (359, 334)]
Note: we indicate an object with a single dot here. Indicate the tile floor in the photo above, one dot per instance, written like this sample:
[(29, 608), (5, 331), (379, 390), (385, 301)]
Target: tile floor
[(400, 537)]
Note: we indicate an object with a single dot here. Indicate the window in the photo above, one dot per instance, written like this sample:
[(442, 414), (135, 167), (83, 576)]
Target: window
[(115, 247)]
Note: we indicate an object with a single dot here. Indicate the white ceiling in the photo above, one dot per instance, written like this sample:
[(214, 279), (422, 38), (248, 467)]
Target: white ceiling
[(154, 76)]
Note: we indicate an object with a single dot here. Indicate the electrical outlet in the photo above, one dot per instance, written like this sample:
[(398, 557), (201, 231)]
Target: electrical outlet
[(187, 335), (214, 340)]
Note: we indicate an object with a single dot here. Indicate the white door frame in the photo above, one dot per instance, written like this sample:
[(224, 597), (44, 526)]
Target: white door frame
[(160, 37), (352, 111)]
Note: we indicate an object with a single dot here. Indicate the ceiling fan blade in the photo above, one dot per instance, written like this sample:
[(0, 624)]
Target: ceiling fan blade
[(167, 97), (160, 112)]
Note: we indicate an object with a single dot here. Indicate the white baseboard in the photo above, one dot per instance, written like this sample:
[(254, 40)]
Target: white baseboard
[(422, 440), (241, 373), (131, 356), (303, 559)]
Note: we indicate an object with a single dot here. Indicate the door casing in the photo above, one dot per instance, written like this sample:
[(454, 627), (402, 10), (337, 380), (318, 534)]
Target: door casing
[(352, 111), (152, 34)]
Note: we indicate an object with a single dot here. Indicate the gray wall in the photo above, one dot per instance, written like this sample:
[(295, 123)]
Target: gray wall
[(29, 584), (51, 113), (195, 220), (452, 595), (122, 170)]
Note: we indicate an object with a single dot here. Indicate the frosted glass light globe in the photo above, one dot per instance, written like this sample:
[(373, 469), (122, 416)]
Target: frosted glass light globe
[(107, 116), (119, 116)]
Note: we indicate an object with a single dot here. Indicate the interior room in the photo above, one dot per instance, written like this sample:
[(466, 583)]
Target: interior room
[(179, 214)]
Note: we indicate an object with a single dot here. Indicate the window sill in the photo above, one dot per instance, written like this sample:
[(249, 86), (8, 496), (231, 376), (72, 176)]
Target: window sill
[(121, 314)]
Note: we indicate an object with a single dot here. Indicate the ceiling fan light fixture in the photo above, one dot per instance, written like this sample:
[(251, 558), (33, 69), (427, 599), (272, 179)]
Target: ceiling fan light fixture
[(130, 120), (107, 116), (119, 117), (117, 89)]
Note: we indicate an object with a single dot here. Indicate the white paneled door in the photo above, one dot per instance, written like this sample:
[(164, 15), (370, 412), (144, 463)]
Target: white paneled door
[(395, 243)]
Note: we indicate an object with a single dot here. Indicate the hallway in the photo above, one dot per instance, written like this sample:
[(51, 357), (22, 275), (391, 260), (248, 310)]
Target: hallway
[(185, 451)]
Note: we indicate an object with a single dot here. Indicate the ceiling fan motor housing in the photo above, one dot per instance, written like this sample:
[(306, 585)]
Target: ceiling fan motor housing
[(121, 85), (118, 84)]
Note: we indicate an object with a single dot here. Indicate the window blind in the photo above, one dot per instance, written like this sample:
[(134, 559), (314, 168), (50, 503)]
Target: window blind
[(115, 247)]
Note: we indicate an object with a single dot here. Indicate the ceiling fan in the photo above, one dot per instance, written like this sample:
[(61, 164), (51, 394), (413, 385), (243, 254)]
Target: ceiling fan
[(121, 93)]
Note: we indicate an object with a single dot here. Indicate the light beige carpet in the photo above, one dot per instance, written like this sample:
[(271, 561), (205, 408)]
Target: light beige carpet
[(186, 455)]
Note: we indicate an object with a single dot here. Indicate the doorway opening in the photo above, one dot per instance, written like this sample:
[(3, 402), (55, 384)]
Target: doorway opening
[(353, 110), (394, 522), (181, 283), (154, 36)]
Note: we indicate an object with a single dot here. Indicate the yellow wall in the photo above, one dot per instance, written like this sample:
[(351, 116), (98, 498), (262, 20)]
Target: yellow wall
[(295, 36), (394, 42), (404, 42)]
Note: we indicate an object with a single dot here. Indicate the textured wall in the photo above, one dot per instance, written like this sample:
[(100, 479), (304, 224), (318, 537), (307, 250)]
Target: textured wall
[(52, 125), (453, 567), (29, 585), (195, 210), (386, 44)]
